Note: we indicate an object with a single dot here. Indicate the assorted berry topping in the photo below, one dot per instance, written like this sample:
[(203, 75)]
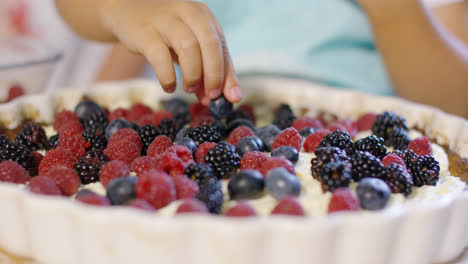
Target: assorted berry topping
[(148, 159)]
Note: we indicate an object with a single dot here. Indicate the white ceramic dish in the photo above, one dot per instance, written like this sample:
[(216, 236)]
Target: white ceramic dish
[(56, 230)]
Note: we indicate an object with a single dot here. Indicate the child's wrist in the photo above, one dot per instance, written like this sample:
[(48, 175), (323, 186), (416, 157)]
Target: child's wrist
[(389, 11)]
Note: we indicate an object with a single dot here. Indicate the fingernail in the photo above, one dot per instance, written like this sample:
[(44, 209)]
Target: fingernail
[(193, 88), (236, 93), (215, 93)]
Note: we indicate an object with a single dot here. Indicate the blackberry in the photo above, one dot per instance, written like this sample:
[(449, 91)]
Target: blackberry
[(97, 122), (182, 119), (424, 170), (284, 116), (204, 134), (147, 134), (385, 123), (3, 141), (373, 144), (97, 141), (211, 194), (200, 173), (399, 139), (398, 179), (366, 165), (224, 160), (324, 155), (335, 175), (53, 142), (169, 128), (19, 153), (32, 136), (338, 139), (409, 157), (89, 166)]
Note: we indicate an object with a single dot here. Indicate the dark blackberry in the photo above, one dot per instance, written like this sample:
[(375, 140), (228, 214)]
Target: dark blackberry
[(335, 175), (340, 139), (399, 153), (366, 165), (224, 160), (211, 194), (409, 157), (97, 141), (385, 123), (147, 134), (19, 153), (183, 119), (89, 166), (324, 155), (238, 114), (424, 170), (169, 128), (372, 144), (202, 174), (399, 138), (204, 134), (53, 142), (32, 136), (398, 179), (97, 122), (3, 141), (284, 116)]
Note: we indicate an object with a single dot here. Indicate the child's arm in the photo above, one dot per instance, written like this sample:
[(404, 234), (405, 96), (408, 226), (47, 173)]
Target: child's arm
[(425, 62), (163, 31), (121, 64)]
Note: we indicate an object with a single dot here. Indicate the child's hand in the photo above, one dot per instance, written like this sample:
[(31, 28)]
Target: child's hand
[(186, 32)]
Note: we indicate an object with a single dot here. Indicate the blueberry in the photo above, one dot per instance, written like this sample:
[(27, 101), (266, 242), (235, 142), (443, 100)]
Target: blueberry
[(307, 131), (177, 106), (188, 142), (121, 190), (286, 152), (280, 183), (239, 122), (259, 143), (115, 126), (83, 192), (245, 145), (220, 107), (85, 108), (267, 135), (373, 193), (247, 184), (182, 133)]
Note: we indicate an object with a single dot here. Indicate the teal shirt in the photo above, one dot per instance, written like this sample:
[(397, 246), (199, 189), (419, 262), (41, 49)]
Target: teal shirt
[(326, 40)]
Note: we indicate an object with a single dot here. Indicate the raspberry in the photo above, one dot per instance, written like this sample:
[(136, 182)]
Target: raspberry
[(421, 146), (272, 163), (70, 128), (119, 113), (89, 166), (64, 117), (343, 200), (141, 164), (56, 158), (43, 185), (249, 110), (241, 209), (202, 150), (345, 125), (303, 122), (125, 151), (153, 118), (197, 110), (19, 153), (171, 163), (203, 121), (182, 153), (253, 160), (11, 171), (288, 206), (113, 170), (160, 144), (75, 143), (14, 92), (312, 141), (192, 206), (66, 179), (32, 136), (393, 158), (185, 187), (141, 204), (366, 121), (288, 137), (137, 111), (156, 187), (238, 133), (126, 134), (93, 199)]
